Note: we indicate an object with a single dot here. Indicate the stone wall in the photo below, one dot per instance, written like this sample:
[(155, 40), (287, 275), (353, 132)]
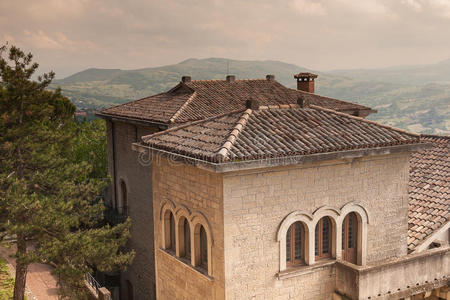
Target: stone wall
[(138, 180), (256, 202), (182, 186)]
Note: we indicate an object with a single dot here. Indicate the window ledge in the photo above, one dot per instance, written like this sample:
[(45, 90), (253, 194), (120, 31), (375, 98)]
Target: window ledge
[(185, 262), (303, 270)]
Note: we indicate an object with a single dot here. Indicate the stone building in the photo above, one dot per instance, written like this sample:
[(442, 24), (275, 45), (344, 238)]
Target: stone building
[(246, 189)]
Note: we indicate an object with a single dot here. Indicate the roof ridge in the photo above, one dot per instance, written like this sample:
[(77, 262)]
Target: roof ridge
[(132, 101), (242, 79), (240, 124), (435, 136), (182, 107), (366, 121), (330, 98), (278, 106), (188, 124)]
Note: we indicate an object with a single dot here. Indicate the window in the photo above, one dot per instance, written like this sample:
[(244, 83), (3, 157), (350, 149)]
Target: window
[(187, 239), (203, 249), (322, 246), (295, 244), (124, 205), (184, 234), (350, 238), (169, 231)]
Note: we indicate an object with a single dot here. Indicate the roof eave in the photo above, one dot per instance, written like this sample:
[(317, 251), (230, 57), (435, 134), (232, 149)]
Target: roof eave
[(280, 161), (135, 121)]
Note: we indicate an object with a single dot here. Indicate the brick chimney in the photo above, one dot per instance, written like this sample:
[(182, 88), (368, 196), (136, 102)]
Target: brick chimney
[(186, 79), (305, 82), (270, 77)]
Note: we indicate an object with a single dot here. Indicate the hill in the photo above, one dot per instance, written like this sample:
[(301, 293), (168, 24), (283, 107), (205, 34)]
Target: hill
[(415, 98)]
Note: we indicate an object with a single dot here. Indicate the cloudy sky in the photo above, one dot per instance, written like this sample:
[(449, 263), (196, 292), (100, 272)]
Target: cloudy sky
[(70, 35)]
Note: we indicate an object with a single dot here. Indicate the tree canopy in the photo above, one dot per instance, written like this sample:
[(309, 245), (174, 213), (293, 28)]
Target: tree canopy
[(49, 189)]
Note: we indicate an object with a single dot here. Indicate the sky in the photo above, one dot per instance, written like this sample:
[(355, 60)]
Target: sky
[(68, 36)]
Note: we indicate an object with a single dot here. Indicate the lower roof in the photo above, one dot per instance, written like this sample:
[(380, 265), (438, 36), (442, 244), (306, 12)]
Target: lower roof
[(429, 190), (201, 99)]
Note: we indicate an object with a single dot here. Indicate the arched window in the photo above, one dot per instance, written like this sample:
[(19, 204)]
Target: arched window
[(184, 235), (322, 246), (295, 244), (169, 231), (203, 249), (124, 205), (350, 238)]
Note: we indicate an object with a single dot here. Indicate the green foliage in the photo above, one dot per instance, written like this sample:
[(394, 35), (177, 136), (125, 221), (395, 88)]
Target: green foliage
[(90, 146), (6, 282), (48, 187)]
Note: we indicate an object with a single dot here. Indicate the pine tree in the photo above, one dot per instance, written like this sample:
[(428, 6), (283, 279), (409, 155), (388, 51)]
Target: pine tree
[(47, 200)]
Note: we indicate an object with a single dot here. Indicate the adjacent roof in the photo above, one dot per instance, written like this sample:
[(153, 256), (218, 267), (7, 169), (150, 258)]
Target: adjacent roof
[(275, 131), (201, 99), (429, 195)]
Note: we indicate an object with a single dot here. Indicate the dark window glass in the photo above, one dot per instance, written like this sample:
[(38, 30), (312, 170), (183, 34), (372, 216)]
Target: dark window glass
[(325, 236), (295, 244), (172, 232), (298, 241), (203, 249), (316, 243), (288, 245), (187, 239)]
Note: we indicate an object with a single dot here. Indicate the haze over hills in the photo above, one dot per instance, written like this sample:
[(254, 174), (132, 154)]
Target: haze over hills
[(415, 98)]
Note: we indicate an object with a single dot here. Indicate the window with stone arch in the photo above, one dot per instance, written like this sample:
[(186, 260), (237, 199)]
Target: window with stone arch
[(351, 239), (323, 238), (169, 231), (184, 237), (295, 244), (202, 249)]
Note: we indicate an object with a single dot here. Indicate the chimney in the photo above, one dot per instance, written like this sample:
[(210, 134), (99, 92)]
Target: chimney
[(270, 77), (305, 82), (186, 79), (231, 78), (302, 101), (252, 104)]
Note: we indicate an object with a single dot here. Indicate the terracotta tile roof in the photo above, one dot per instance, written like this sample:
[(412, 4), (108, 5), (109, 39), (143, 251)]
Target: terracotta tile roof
[(275, 131), (429, 194), (201, 99)]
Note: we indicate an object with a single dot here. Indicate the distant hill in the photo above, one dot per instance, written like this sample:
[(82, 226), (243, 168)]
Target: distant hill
[(415, 98)]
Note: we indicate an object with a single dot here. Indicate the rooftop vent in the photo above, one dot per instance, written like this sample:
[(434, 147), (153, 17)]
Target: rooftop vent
[(231, 78), (252, 104), (186, 79), (270, 77), (305, 82), (302, 101)]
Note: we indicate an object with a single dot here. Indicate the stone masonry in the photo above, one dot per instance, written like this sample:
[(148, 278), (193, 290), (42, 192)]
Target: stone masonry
[(138, 180), (255, 203)]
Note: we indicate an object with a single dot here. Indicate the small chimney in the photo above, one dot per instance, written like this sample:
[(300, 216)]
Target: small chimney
[(302, 101), (252, 104), (186, 79), (270, 77), (231, 78), (305, 82)]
